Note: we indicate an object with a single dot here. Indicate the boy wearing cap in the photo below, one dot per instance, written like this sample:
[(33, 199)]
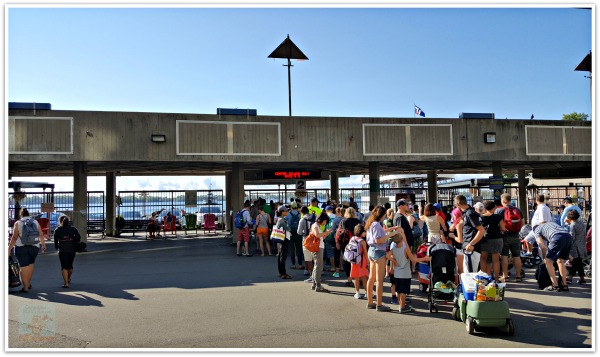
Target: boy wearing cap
[(314, 207)]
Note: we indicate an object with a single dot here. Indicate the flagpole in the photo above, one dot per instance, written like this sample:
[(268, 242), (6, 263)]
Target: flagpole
[(414, 111)]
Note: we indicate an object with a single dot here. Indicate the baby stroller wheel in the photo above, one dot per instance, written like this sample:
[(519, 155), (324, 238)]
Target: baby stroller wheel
[(422, 287), (538, 260), (527, 263), (510, 327), (470, 325)]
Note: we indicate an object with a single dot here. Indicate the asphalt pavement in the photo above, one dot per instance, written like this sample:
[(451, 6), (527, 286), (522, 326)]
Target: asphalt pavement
[(196, 293)]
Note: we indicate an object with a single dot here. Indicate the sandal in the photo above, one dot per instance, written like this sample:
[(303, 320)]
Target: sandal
[(552, 288), (285, 276), (349, 283), (564, 288), (23, 291), (518, 279)]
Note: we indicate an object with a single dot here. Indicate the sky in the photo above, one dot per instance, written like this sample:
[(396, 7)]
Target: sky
[(363, 62)]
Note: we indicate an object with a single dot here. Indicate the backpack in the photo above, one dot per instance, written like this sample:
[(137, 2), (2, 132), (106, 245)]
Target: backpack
[(312, 243), (239, 220), (294, 222), (352, 253), (342, 235), (543, 278), (29, 234), (416, 231), (512, 219)]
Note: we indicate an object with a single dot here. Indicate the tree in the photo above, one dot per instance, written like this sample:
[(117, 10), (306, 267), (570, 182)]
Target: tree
[(575, 116)]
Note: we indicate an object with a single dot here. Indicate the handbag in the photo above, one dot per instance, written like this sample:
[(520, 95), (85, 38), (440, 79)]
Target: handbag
[(14, 277), (277, 235), (312, 243)]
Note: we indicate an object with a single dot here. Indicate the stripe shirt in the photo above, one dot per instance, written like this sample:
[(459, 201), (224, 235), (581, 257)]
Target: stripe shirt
[(549, 230)]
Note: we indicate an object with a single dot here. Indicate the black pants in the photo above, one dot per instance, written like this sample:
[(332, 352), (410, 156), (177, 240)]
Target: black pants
[(577, 267), (296, 248), (282, 256)]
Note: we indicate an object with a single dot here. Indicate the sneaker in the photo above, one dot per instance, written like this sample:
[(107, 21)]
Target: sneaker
[(321, 289), (382, 308), (309, 280), (313, 287), (306, 273), (394, 300), (563, 288), (359, 296), (405, 309), (570, 280), (408, 300), (336, 275), (528, 254), (371, 306)]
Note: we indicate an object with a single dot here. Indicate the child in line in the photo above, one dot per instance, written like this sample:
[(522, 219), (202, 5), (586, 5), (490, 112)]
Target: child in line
[(360, 272), (401, 257)]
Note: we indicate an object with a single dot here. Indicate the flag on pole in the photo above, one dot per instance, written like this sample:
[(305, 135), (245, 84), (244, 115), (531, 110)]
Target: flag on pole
[(419, 112)]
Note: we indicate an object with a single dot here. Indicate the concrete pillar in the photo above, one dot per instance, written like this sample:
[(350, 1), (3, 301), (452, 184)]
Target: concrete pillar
[(111, 194), (374, 185), (335, 186), (237, 192), (228, 206), (432, 188), (523, 195), (79, 213), (497, 168)]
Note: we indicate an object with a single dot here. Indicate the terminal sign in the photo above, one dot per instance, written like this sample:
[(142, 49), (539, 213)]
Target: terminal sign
[(291, 174)]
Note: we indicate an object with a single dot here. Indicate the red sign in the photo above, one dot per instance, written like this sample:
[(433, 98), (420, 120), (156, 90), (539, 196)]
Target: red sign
[(291, 175)]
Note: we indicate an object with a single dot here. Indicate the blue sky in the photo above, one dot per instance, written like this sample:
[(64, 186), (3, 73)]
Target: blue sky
[(364, 62)]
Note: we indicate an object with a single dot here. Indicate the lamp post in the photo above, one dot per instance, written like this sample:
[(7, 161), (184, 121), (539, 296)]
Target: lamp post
[(287, 49)]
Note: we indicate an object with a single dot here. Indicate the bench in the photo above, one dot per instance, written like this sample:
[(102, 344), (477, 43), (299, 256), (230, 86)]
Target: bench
[(96, 226), (134, 225)]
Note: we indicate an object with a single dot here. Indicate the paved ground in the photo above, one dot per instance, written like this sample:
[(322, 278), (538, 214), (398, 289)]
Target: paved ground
[(196, 293)]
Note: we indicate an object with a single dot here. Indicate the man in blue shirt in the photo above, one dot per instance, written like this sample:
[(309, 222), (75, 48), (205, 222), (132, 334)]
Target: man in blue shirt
[(568, 202)]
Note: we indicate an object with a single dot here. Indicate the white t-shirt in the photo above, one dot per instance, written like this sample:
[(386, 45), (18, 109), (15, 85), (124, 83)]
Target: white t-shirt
[(319, 230), (541, 214)]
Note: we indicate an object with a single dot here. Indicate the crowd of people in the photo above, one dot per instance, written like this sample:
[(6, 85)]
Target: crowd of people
[(486, 236)]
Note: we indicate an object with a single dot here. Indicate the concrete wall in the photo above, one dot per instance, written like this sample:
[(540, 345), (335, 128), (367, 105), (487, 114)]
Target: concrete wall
[(126, 136)]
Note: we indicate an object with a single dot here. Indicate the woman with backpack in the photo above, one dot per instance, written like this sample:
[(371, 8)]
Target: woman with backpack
[(293, 219), (65, 240), (318, 229), (349, 222), (26, 239), (304, 230)]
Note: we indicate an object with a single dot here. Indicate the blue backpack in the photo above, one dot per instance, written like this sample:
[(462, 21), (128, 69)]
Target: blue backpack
[(30, 234), (239, 220), (294, 221)]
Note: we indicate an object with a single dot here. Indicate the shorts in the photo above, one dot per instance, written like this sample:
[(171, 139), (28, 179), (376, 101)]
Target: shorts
[(308, 255), (26, 254), (559, 247), (417, 243), (474, 257), (244, 235), (402, 285), (392, 278), (375, 254), (435, 238), (66, 259), (493, 246), (530, 238), (262, 231), (512, 244)]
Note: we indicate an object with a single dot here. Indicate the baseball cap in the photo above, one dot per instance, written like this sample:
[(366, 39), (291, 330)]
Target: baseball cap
[(437, 206), (401, 203), (282, 209), (328, 208), (345, 203), (294, 205), (314, 199)]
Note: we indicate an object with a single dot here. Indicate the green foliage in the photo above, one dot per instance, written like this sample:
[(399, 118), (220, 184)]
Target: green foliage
[(575, 116)]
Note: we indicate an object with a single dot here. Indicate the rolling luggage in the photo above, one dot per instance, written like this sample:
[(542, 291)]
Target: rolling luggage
[(14, 277)]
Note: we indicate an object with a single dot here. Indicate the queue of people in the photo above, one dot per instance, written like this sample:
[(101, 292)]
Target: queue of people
[(485, 235)]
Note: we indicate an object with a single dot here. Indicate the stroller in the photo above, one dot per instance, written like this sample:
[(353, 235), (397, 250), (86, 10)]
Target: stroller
[(442, 276)]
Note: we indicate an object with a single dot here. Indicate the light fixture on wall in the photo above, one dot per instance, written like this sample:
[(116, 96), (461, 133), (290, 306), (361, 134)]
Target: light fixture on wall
[(158, 138), (489, 138)]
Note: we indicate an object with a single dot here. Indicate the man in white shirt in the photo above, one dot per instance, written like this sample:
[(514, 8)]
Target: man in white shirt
[(542, 215)]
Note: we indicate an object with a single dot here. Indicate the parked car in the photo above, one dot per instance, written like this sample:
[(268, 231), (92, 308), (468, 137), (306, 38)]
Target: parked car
[(216, 210)]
